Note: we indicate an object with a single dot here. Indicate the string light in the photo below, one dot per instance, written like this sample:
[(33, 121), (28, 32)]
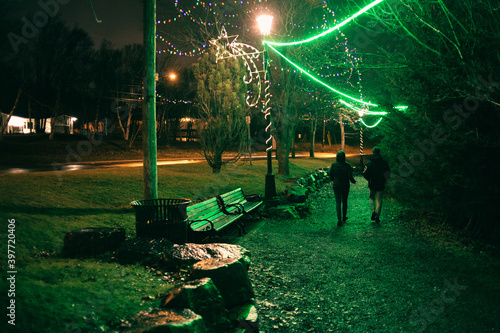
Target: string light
[(371, 126), (335, 28), (303, 71), (326, 32), (360, 111), (249, 55), (220, 18)]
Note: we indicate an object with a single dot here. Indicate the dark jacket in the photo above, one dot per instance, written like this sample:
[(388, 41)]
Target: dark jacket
[(376, 172), (341, 173)]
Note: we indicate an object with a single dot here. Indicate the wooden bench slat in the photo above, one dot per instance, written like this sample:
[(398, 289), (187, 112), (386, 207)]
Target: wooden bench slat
[(237, 198), (209, 211)]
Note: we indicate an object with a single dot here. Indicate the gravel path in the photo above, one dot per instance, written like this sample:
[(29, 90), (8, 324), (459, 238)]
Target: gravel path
[(312, 276)]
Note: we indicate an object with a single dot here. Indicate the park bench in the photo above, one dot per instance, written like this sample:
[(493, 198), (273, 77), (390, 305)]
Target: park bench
[(237, 201), (207, 218)]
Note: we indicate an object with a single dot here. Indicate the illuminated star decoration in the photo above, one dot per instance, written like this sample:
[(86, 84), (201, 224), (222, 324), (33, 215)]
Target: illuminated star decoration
[(227, 47), (221, 16), (364, 105)]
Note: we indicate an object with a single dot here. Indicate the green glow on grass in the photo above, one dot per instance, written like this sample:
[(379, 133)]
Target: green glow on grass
[(326, 32)]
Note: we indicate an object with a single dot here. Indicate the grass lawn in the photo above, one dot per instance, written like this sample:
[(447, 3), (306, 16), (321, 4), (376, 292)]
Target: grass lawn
[(55, 294)]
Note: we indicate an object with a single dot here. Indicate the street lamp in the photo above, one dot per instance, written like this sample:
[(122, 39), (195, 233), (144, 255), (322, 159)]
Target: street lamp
[(265, 23)]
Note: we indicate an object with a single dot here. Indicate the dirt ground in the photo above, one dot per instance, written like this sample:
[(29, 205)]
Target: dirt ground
[(312, 276)]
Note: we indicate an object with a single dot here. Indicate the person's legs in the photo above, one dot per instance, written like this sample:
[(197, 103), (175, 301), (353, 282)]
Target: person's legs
[(372, 196), (338, 198), (378, 201), (345, 195)]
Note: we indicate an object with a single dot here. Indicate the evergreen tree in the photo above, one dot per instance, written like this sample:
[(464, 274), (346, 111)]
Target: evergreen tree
[(220, 97), (440, 58)]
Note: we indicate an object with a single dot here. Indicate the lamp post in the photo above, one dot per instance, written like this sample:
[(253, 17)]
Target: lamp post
[(265, 23)]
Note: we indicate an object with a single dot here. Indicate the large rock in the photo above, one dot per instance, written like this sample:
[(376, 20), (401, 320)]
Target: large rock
[(203, 297), (143, 250), (310, 180), (296, 194), (92, 241), (245, 318), (303, 209), (229, 276), (286, 212), (166, 321), (188, 254)]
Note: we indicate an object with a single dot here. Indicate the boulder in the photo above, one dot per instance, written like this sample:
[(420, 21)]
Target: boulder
[(92, 241), (296, 194), (165, 321), (143, 250), (301, 181), (245, 317), (323, 176), (229, 276), (286, 212), (302, 209), (202, 297), (310, 189), (188, 254), (310, 180)]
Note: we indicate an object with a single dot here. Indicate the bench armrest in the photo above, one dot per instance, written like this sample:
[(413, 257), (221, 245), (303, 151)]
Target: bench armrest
[(240, 209), (253, 197), (223, 206), (207, 220)]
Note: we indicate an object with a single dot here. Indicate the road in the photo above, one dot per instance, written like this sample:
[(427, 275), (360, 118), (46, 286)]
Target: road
[(127, 164)]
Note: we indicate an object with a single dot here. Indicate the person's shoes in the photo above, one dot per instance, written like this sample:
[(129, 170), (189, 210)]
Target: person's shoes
[(374, 216), (377, 220), (344, 219), (339, 223)]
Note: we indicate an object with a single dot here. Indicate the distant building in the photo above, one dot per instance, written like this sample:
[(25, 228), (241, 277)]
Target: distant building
[(21, 125), (63, 124)]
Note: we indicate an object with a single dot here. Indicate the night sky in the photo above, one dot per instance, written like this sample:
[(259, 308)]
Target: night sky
[(121, 20)]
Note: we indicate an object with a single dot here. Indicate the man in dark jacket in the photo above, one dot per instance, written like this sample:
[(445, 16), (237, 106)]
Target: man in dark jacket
[(340, 175), (376, 172)]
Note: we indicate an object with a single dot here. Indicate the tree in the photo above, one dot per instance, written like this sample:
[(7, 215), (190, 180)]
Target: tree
[(439, 58), (105, 63), (220, 98), (293, 19), (53, 67), (4, 125), (130, 76)]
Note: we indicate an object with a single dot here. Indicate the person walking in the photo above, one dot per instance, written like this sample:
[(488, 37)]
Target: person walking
[(341, 175), (376, 172)]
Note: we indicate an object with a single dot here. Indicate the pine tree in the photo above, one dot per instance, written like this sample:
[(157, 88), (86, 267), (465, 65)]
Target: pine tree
[(220, 96)]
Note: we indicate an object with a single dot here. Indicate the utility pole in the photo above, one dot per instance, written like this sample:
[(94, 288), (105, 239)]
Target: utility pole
[(149, 102)]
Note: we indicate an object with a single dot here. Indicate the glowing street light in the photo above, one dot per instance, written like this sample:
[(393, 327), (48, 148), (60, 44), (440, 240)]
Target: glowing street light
[(265, 23), (172, 76)]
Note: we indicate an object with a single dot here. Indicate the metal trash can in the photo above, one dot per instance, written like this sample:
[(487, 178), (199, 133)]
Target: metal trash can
[(162, 218)]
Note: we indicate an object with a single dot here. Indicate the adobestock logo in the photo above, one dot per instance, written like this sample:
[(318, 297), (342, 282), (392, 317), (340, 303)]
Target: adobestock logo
[(30, 29)]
